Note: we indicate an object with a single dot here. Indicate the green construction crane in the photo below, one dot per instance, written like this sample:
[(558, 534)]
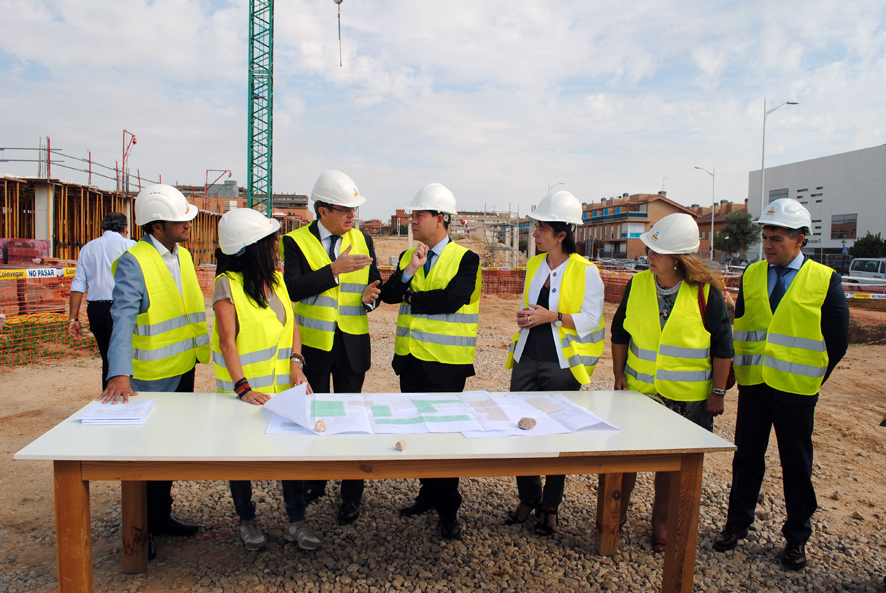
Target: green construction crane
[(261, 105)]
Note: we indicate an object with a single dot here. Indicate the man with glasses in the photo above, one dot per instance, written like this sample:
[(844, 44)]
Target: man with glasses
[(332, 277)]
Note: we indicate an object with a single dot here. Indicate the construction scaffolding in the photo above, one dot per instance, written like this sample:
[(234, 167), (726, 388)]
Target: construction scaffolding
[(17, 216), (501, 239), (76, 213)]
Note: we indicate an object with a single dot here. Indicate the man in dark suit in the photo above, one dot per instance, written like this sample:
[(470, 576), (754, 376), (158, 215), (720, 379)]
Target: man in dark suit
[(332, 277), (437, 285), (791, 330)]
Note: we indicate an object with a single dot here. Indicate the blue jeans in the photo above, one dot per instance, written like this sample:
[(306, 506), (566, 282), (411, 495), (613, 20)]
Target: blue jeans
[(293, 497)]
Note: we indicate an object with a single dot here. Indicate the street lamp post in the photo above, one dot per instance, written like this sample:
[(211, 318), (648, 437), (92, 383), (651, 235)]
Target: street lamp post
[(763, 163), (713, 202), (554, 185)]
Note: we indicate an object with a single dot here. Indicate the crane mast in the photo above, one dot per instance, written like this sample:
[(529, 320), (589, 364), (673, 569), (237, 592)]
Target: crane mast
[(261, 106)]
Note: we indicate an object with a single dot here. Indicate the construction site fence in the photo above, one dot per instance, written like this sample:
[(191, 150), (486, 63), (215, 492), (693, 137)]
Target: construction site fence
[(34, 309)]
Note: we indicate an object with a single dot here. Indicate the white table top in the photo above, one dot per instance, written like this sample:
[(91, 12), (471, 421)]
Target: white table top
[(217, 427)]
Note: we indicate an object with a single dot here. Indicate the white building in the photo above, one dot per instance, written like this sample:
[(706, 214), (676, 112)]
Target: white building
[(845, 194)]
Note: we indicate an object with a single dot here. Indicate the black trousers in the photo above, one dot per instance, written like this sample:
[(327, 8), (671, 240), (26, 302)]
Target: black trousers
[(759, 410), (534, 375), (159, 496), (101, 324), (442, 493), (319, 368)]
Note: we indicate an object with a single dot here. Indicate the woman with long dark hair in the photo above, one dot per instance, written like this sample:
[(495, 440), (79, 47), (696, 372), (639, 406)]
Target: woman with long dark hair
[(256, 347), (672, 341), (560, 334)]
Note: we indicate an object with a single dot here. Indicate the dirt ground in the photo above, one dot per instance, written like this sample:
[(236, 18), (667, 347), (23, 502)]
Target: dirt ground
[(849, 475)]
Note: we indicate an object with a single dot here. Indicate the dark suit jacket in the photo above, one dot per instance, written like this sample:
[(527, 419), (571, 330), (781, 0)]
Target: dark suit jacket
[(302, 281), (433, 302), (834, 329)]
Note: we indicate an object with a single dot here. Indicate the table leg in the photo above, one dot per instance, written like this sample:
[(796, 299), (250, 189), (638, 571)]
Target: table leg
[(685, 494), (608, 513), (134, 526), (73, 529)]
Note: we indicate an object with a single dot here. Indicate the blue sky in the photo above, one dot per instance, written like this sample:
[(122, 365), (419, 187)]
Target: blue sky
[(494, 99)]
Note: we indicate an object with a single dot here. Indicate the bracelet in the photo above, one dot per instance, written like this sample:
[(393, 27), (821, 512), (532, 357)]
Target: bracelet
[(297, 358), (242, 387), (73, 319), (716, 391)]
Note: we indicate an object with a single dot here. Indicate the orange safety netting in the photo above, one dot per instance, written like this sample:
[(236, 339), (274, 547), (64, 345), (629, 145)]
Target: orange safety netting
[(34, 329), (34, 304)]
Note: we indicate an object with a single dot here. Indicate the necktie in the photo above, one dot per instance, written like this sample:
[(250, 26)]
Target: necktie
[(779, 289), (430, 259), (333, 239)]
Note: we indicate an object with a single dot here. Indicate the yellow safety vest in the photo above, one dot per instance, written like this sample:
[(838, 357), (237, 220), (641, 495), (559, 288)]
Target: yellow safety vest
[(339, 307), (675, 360), (582, 354), (786, 350), (171, 336), (450, 339), (263, 343)]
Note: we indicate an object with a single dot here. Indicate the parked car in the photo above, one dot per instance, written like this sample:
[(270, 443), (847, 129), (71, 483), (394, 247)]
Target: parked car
[(867, 270)]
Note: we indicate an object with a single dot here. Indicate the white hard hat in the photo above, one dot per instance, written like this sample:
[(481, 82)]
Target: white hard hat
[(434, 197), (162, 202), (243, 226), (558, 206), (334, 187), (673, 234), (787, 213)]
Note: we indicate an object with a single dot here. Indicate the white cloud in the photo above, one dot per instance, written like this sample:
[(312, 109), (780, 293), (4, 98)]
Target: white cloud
[(495, 99)]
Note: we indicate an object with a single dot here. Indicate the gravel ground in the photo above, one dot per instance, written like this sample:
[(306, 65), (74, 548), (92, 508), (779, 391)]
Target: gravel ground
[(383, 551)]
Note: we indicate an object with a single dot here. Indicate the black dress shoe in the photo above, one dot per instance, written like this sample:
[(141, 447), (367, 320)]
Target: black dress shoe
[(794, 556), (418, 507), (173, 526), (449, 528), (152, 551), (312, 494), (728, 538), (348, 512)]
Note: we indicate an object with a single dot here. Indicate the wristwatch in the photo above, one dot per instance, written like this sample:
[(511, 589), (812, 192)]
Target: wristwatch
[(559, 322), (297, 358)]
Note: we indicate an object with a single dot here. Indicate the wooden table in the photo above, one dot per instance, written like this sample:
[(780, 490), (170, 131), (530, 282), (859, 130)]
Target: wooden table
[(207, 436)]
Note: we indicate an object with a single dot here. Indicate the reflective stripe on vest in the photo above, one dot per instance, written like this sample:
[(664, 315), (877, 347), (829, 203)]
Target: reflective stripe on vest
[(580, 353), (674, 361), (786, 350), (263, 343), (447, 338), (171, 336), (340, 307)]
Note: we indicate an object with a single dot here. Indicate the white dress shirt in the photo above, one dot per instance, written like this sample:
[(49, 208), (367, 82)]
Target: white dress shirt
[(326, 240), (788, 277), (94, 265), (170, 258), (590, 314)]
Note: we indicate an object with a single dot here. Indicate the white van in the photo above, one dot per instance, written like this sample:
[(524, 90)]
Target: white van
[(865, 270)]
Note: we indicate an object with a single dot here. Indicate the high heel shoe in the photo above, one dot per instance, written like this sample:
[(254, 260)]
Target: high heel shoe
[(543, 525), (513, 517)]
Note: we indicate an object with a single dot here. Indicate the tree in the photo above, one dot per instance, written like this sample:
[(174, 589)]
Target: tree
[(742, 232), (869, 246)]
